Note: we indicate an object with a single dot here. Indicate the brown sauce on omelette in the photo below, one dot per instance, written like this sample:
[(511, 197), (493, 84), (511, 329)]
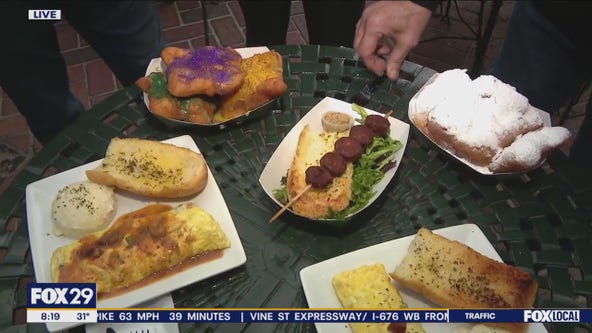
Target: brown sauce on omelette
[(143, 229), (184, 265)]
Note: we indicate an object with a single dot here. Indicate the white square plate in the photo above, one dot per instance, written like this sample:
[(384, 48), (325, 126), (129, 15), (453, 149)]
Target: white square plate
[(40, 194), (481, 169), (281, 160), (157, 65), (316, 279)]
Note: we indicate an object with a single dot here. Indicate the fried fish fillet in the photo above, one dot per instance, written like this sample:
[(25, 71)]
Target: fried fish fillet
[(138, 245), (208, 70), (369, 287), (317, 203), (264, 81)]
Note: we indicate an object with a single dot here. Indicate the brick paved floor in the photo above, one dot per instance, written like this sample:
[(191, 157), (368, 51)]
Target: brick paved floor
[(183, 25)]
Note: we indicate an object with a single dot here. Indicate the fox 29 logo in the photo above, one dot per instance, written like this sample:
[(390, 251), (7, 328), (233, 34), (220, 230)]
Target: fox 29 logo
[(62, 295)]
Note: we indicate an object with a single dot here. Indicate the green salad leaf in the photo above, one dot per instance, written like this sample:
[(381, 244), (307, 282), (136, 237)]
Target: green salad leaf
[(368, 171), (361, 111), (281, 194)]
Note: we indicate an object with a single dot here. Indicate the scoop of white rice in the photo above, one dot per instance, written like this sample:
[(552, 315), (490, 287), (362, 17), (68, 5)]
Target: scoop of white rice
[(82, 208)]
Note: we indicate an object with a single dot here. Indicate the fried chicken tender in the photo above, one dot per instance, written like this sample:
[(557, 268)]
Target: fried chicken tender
[(264, 81), (208, 70)]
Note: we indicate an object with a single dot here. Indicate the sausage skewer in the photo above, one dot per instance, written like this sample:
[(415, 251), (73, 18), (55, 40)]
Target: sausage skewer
[(304, 190)]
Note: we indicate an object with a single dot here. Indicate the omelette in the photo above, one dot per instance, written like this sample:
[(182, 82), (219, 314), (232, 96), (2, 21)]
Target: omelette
[(137, 245), (369, 287)]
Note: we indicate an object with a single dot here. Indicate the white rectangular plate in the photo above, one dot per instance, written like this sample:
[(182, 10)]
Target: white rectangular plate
[(281, 160), (316, 279), (40, 194), (481, 169)]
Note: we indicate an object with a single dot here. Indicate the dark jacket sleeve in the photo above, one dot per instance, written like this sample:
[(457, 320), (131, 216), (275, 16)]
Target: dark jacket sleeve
[(429, 4)]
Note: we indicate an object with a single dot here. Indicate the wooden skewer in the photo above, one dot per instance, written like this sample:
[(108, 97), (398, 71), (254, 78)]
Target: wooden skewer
[(286, 206), (304, 190)]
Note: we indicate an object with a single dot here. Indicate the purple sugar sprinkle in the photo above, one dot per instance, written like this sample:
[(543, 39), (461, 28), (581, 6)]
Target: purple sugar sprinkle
[(208, 62)]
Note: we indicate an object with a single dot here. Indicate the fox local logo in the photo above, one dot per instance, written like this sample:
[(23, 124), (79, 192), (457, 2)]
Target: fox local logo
[(551, 316)]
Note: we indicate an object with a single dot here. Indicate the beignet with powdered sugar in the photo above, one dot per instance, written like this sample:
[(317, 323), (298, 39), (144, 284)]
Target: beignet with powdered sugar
[(483, 121)]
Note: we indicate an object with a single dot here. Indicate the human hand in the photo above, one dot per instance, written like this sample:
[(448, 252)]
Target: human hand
[(386, 33)]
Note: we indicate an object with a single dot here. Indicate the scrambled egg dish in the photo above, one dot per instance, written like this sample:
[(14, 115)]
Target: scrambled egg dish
[(369, 287), (137, 245)]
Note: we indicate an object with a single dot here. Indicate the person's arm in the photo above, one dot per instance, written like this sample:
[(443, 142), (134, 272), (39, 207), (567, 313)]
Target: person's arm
[(388, 30)]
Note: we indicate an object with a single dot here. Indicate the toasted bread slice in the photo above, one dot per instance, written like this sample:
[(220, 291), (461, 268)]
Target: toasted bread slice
[(151, 168), (369, 287), (317, 203), (454, 275)]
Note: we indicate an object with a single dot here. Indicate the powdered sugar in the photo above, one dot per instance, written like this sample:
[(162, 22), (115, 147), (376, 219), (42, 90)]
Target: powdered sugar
[(527, 149), (485, 113), (548, 136), (523, 152), (510, 111), (445, 86)]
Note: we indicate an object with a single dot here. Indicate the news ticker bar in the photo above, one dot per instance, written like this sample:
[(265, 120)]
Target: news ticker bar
[(307, 315)]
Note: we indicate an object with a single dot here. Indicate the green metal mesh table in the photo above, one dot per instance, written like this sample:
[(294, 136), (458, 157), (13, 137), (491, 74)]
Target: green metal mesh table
[(538, 221)]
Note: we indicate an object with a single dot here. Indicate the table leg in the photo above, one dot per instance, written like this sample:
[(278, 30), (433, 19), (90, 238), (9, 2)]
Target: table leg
[(483, 39)]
